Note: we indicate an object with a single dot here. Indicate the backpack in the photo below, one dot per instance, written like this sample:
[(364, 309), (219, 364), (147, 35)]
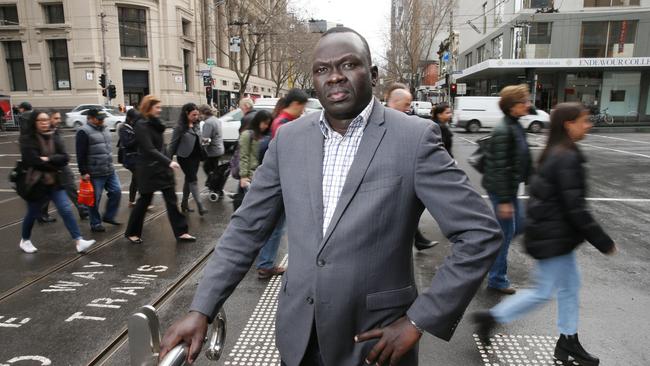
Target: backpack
[(477, 159)]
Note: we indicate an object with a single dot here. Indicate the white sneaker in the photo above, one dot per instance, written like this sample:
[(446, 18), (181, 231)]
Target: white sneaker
[(27, 246), (83, 245)]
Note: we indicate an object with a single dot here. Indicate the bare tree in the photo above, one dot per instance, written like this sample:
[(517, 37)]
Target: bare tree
[(413, 38), (254, 23)]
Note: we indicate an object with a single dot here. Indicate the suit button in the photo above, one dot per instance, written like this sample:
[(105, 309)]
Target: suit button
[(321, 263), (310, 300)]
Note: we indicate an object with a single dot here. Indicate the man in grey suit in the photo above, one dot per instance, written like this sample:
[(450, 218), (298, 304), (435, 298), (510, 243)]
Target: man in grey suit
[(352, 182)]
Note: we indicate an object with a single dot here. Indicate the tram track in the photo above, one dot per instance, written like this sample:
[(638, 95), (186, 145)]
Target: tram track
[(163, 298)]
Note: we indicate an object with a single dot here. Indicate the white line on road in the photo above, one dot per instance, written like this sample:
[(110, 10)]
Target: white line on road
[(599, 199), (468, 140), (615, 150), (618, 138)]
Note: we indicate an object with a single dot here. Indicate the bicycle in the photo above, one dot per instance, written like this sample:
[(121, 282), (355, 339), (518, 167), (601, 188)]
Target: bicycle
[(602, 117)]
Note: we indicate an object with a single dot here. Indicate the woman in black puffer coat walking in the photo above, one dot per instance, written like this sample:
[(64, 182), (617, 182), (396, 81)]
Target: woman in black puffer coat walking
[(558, 221), (155, 172)]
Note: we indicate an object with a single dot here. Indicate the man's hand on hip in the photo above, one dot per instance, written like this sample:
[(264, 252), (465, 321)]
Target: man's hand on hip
[(395, 341), (190, 330)]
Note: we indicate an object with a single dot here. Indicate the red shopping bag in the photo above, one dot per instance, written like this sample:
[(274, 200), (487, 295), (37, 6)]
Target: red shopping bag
[(86, 194)]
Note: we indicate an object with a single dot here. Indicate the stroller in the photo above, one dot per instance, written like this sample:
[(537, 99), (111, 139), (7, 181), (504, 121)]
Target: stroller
[(216, 180)]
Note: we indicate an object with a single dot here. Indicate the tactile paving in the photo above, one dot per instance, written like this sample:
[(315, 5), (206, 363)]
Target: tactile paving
[(518, 350)]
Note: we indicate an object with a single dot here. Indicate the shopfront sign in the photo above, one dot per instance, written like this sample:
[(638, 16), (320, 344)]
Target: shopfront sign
[(558, 63)]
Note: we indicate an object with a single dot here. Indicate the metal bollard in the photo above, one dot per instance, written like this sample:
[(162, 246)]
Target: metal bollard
[(144, 340)]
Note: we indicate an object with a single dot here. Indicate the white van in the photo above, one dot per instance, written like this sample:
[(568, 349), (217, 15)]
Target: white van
[(474, 113), (421, 108)]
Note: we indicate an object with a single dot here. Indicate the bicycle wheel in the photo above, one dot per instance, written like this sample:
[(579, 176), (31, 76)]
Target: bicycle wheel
[(609, 119)]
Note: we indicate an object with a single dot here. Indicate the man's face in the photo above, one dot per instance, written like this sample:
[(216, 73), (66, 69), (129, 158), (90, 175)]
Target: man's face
[(343, 78), (55, 119)]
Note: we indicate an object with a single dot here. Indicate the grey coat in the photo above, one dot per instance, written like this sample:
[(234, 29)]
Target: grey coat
[(359, 275), (183, 140), (212, 130)]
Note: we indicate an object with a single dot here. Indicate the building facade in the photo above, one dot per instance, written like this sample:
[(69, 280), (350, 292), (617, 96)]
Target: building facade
[(53, 52), (591, 51)]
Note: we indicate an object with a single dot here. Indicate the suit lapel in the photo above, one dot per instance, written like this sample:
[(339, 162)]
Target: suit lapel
[(314, 166), (370, 141)]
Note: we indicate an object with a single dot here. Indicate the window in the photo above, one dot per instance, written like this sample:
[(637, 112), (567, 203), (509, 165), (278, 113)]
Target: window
[(15, 65), (608, 39), (187, 59), (54, 13), (187, 30), (538, 4), (481, 54), (133, 32), (8, 15), (468, 60), (497, 47), (59, 64), (539, 40), (607, 3)]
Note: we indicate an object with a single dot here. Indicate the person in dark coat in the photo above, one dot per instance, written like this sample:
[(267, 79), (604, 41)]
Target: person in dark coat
[(186, 145), (441, 115), (128, 151), (24, 114), (558, 222), (69, 181), (508, 165), (43, 155), (154, 171)]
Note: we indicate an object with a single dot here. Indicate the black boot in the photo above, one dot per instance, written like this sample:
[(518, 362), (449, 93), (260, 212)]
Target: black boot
[(568, 347), (485, 324), (422, 243)]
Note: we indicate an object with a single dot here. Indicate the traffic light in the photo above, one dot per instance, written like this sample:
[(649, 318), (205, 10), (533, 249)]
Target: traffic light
[(102, 81), (454, 90), (112, 93)]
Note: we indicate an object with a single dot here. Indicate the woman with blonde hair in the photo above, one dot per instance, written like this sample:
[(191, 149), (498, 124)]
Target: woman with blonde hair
[(155, 172)]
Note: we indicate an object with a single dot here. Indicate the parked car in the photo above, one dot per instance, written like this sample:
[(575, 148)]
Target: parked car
[(421, 108), (474, 113), (76, 119), (83, 107), (231, 121)]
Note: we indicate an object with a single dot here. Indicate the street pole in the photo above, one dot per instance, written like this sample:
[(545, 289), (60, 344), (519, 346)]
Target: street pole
[(102, 16), (450, 68)]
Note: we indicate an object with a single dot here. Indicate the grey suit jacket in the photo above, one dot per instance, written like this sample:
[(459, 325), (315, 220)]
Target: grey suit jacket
[(212, 130), (182, 142), (359, 275)]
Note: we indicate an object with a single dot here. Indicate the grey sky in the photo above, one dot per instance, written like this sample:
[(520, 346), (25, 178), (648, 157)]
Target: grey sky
[(371, 18)]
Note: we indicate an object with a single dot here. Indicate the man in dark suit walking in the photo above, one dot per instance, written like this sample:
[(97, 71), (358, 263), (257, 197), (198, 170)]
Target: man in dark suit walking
[(352, 182)]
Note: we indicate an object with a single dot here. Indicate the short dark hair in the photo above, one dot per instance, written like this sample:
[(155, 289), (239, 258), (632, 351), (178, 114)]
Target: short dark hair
[(296, 95), (439, 108), (350, 30)]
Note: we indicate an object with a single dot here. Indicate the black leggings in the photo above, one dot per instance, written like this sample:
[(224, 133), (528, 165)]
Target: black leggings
[(133, 187), (176, 218)]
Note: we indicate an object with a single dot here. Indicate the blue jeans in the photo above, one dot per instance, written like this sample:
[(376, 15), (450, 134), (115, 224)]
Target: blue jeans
[(558, 274), (269, 251), (497, 278), (63, 205), (111, 184)]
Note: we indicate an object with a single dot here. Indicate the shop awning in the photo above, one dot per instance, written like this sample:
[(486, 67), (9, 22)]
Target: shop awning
[(499, 67)]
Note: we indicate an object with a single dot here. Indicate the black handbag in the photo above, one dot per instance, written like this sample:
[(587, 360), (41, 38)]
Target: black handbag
[(477, 159), (18, 178)]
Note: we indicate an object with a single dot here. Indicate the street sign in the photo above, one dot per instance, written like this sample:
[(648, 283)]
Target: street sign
[(445, 56), (211, 62), (207, 80), (461, 88), (235, 43)]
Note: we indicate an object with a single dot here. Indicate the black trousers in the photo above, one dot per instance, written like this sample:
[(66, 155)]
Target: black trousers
[(133, 187), (210, 164), (176, 218), (312, 354)]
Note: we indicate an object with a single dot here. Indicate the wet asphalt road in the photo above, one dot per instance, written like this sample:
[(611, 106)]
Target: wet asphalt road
[(70, 308)]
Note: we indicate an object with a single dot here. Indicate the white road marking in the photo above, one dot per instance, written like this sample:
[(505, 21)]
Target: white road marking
[(615, 150), (468, 140), (620, 139), (597, 199)]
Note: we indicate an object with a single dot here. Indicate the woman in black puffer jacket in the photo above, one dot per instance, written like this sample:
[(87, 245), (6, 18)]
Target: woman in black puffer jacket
[(558, 221)]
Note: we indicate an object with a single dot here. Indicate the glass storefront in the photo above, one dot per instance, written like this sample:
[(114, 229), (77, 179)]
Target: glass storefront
[(619, 92)]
